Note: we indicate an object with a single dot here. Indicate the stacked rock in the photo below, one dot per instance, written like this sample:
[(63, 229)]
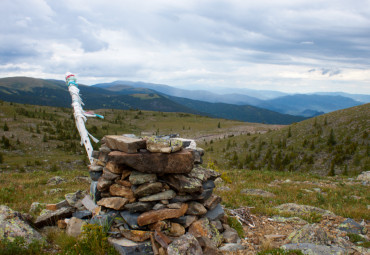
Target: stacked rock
[(156, 188)]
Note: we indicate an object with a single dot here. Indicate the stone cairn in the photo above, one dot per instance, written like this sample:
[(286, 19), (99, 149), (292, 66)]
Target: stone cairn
[(156, 197)]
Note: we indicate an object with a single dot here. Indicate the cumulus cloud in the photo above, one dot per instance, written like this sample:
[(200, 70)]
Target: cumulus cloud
[(271, 44)]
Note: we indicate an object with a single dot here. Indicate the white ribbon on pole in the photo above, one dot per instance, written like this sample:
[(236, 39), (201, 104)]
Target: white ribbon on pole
[(80, 115)]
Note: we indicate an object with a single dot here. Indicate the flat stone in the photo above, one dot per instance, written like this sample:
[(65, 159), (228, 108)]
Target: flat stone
[(116, 203), (178, 162), (257, 192), (314, 249), (168, 194), (82, 214), (136, 235), (116, 168), (12, 225), (89, 203), (304, 210), (202, 227), (74, 226), (137, 178), (138, 249), (123, 143), (162, 214), (147, 189), (122, 191), (51, 217), (131, 219), (176, 230), (159, 206), (196, 208), (185, 220), (139, 207), (124, 183), (103, 184), (163, 145), (186, 244), (174, 205), (204, 174), (181, 198), (216, 213), (212, 202), (232, 247), (181, 183), (108, 175)]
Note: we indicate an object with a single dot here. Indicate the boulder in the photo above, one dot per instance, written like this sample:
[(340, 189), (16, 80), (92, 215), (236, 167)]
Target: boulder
[(186, 244), (351, 226), (310, 233), (116, 203), (124, 144), (178, 162), (162, 214), (12, 225)]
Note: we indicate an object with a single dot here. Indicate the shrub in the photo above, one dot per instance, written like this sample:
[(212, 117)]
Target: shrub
[(235, 224)]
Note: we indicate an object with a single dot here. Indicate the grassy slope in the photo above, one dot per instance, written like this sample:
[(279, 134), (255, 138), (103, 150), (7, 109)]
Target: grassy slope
[(304, 146)]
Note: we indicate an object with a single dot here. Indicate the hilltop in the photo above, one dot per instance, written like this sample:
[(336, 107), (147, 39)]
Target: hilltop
[(334, 143)]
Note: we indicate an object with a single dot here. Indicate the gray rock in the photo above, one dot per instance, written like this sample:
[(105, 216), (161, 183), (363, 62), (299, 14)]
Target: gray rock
[(159, 206), (108, 175), (230, 236), (137, 178), (85, 214), (218, 225), (295, 220), (95, 175), (209, 184), (351, 226), (208, 246), (212, 202), (186, 244), (75, 199), (95, 168), (181, 199), (165, 195), (196, 208), (131, 219), (215, 214), (186, 220), (51, 217), (364, 176), (12, 225), (139, 207), (232, 247), (310, 233), (138, 249), (181, 183), (304, 210), (257, 192), (147, 189), (314, 249), (174, 205), (74, 226), (56, 180), (206, 193), (103, 184)]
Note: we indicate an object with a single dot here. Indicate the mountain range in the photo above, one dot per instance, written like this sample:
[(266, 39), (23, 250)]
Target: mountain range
[(279, 108)]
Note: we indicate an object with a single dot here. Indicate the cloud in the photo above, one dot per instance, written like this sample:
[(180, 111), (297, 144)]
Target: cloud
[(211, 42)]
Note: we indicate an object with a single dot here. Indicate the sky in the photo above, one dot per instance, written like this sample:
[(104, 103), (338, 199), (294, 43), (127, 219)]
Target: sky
[(295, 46)]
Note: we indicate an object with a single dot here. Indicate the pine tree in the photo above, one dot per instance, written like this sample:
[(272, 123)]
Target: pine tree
[(332, 170), (219, 125), (6, 128), (331, 139)]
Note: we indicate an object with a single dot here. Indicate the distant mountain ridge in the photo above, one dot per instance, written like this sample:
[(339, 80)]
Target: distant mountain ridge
[(307, 105), (55, 93)]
